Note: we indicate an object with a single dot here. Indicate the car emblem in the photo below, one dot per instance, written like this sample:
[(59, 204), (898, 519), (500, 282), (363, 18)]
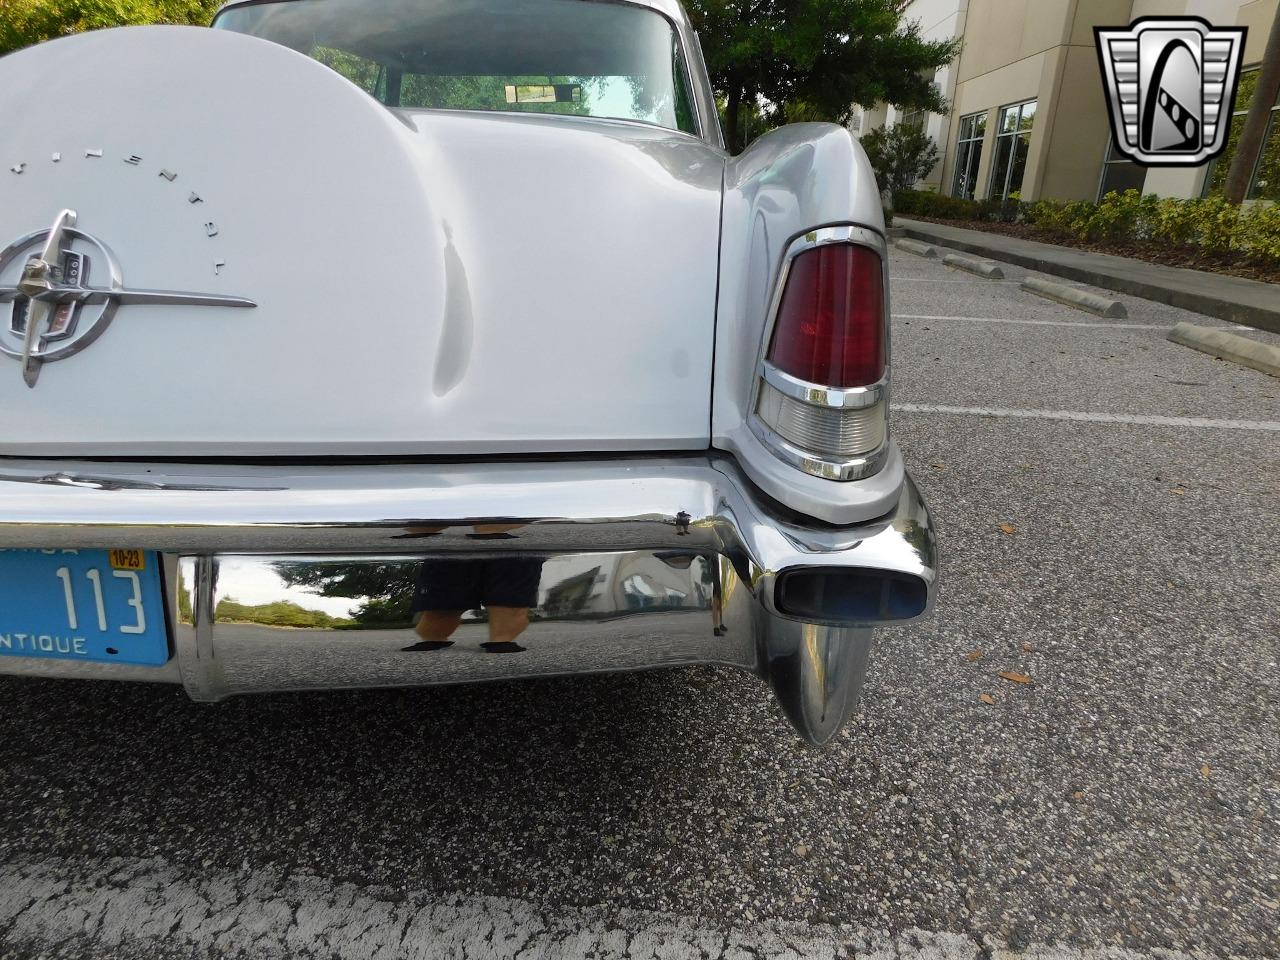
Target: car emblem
[(63, 287), (1171, 84)]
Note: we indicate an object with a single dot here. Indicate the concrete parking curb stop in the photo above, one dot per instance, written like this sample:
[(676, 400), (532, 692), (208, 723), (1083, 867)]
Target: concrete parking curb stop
[(988, 270), (1228, 346), (1081, 299), (916, 247), (1234, 299)]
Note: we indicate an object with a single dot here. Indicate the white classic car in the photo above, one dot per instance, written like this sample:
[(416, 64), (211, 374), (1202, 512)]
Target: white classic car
[(373, 343)]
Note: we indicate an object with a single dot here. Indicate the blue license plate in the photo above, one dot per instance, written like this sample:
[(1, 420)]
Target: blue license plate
[(102, 605)]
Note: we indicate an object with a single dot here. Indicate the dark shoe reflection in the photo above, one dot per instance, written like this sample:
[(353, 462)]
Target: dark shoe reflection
[(502, 646), (427, 646)]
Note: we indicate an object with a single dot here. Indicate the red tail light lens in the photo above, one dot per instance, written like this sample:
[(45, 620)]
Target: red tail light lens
[(830, 327)]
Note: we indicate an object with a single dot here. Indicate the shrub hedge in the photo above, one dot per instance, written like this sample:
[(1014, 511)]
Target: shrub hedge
[(1211, 224)]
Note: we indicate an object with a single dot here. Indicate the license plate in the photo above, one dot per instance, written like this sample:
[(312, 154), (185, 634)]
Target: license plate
[(101, 605)]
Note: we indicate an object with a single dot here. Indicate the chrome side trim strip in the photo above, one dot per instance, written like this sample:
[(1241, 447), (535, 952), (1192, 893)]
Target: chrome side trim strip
[(171, 298)]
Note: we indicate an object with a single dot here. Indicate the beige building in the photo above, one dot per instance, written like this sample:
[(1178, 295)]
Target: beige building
[(1028, 110)]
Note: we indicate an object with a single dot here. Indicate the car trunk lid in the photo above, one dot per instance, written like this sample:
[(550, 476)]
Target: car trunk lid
[(423, 283)]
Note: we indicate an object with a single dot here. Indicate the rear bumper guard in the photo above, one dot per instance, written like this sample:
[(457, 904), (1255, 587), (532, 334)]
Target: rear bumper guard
[(627, 565)]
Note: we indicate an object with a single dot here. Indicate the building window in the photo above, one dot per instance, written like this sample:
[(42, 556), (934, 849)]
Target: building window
[(1013, 142), (913, 118), (973, 129), (1265, 183), (1119, 173)]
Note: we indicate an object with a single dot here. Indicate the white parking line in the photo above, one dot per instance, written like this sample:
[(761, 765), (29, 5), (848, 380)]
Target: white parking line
[(114, 904), (1064, 323), (900, 279), (1038, 323), (1266, 426)]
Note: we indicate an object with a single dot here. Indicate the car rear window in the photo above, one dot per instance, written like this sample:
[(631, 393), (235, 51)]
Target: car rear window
[(594, 59)]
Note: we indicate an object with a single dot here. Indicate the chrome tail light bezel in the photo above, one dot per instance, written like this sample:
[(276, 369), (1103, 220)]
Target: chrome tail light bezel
[(874, 397)]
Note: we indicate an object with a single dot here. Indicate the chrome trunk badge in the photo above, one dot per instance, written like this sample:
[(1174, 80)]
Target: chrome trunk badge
[(54, 312)]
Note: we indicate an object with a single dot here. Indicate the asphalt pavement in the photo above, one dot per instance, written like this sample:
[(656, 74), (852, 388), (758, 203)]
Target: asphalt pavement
[(1109, 508)]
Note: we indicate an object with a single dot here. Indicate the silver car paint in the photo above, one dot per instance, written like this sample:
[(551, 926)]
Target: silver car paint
[(389, 262), (430, 282)]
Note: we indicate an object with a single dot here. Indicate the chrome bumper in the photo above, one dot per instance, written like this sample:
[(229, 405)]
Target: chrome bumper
[(638, 563)]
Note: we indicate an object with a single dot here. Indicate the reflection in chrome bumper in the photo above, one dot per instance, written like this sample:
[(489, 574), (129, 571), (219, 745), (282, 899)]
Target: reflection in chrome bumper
[(637, 564)]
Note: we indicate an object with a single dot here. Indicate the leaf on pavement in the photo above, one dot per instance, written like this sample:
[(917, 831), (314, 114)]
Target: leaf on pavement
[(988, 699), (973, 655), (1015, 677), (1008, 529), (1028, 648), (1180, 491), (1205, 771)]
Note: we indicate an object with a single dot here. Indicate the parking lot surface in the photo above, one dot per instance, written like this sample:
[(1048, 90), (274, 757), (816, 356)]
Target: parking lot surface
[(1109, 508)]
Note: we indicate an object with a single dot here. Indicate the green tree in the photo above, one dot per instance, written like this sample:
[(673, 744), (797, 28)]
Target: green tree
[(24, 22), (282, 613), (900, 155), (814, 59), (385, 588)]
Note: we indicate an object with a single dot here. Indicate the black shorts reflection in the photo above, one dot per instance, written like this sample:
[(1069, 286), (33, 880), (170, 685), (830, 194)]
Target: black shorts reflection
[(506, 587), (445, 585)]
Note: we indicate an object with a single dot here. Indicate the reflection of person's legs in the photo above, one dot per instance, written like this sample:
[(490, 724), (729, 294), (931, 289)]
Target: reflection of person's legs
[(507, 623), (510, 593), (445, 590), (717, 605), (436, 626)]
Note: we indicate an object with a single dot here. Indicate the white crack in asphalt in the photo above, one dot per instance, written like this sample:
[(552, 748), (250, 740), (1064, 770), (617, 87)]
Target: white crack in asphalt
[(131, 904)]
